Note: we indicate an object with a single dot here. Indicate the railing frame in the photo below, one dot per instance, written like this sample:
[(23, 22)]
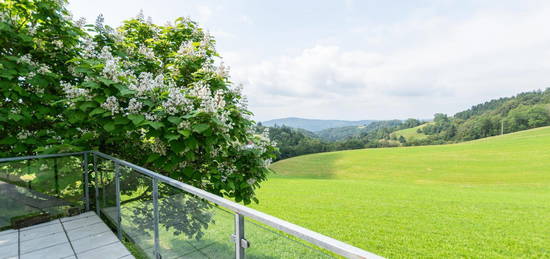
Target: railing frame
[(240, 211)]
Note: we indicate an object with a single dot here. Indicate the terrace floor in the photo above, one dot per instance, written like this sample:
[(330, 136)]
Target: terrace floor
[(82, 236)]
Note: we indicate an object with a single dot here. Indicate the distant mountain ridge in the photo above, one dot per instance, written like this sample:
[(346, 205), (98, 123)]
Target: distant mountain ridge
[(314, 124)]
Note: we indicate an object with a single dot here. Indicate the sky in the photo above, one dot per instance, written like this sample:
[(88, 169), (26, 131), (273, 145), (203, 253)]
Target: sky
[(355, 60)]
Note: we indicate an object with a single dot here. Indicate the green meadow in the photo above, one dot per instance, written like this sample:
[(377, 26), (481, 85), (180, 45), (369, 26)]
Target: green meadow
[(411, 133), (488, 198)]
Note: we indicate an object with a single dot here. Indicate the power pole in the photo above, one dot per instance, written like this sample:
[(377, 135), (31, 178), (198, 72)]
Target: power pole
[(502, 127)]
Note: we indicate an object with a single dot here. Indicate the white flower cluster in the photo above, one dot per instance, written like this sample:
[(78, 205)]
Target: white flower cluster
[(134, 106), (88, 47), (112, 68), (227, 170), (188, 48), (72, 91), (223, 70), (111, 104), (80, 23), (154, 144), (184, 125), (43, 69), (24, 134), (25, 59), (147, 52), (146, 83), (209, 103), (151, 116), (176, 101), (58, 43), (158, 147), (251, 181)]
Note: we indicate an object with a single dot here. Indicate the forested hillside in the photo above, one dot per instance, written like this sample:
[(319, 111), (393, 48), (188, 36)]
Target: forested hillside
[(294, 142), (342, 133), (313, 124), (505, 115)]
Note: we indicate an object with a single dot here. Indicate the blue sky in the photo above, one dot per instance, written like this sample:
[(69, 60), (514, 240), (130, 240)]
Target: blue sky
[(365, 59)]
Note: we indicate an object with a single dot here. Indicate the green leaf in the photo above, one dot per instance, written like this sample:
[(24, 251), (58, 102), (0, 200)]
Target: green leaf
[(86, 106), (155, 124), (199, 128), (152, 157), (188, 171), (175, 120), (8, 141), (106, 81), (97, 110), (126, 91), (110, 126), (178, 146), (121, 121), (15, 117), (76, 116), (172, 137), (185, 133), (91, 84), (136, 118)]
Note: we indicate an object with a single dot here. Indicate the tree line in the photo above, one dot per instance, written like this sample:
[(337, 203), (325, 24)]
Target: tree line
[(499, 116)]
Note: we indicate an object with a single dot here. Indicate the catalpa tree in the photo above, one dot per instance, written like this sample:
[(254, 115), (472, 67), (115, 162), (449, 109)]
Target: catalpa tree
[(157, 96)]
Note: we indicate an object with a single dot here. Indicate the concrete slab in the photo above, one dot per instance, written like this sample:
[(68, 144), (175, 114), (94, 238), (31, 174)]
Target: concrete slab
[(8, 238), (94, 241), (33, 233), (82, 236), (43, 242), (81, 222), (114, 250), (86, 231), (52, 252), (9, 251)]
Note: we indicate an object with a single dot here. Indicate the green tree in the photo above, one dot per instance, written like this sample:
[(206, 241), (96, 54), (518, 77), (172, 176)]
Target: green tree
[(153, 95)]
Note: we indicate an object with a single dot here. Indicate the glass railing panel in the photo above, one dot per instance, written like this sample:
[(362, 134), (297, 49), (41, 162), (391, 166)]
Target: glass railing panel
[(106, 200), (191, 227), (35, 190), (136, 209), (267, 242)]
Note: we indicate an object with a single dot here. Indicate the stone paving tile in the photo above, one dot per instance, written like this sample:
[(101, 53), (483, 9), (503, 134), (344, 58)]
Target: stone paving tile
[(81, 222), (88, 237), (94, 241), (56, 251), (114, 250), (79, 216), (41, 225), (86, 231), (8, 238), (9, 251), (28, 234), (43, 242)]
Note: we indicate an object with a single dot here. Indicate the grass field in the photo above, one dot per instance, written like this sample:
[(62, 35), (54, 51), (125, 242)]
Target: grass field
[(488, 198), (411, 133)]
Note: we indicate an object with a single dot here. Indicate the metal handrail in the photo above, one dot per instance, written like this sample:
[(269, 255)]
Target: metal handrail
[(312, 237)]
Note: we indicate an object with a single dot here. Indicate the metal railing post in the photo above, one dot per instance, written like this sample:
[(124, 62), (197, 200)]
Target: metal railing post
[(56, 176), (156, 217), (239, 237), (96, 183), (86, 187), (117, 190)]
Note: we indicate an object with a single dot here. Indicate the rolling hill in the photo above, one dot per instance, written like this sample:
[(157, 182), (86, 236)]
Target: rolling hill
[(313, 124), (487, 198), (411, 133)]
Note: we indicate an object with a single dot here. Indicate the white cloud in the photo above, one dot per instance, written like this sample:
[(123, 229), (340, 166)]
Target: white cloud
[(411, 69)]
